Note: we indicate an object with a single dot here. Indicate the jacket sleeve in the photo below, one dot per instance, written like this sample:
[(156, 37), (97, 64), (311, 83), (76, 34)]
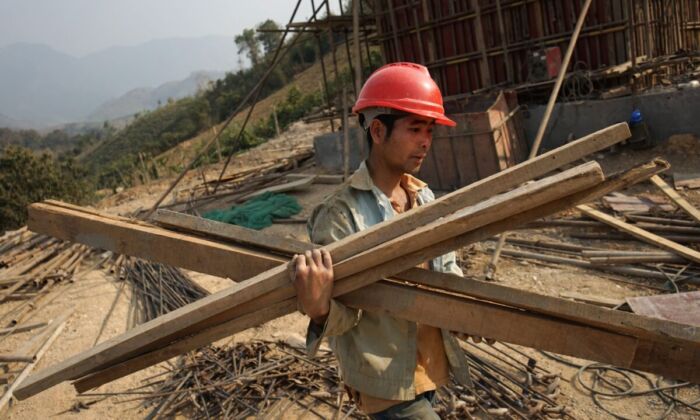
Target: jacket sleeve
[(329, 223)]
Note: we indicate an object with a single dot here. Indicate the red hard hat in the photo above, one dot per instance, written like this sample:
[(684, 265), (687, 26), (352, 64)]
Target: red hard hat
[(405, 87)]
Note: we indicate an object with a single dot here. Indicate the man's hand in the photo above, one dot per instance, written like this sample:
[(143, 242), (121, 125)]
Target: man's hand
[(313, 281)]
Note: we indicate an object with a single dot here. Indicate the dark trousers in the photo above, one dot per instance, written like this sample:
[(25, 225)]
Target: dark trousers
[(421, 408)]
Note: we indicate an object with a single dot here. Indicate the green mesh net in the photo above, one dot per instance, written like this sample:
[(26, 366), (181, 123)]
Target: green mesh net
[(258, 212)]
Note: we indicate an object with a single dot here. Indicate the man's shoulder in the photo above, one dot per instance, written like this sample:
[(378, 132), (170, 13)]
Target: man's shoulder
[(339, 203), (333, 218)]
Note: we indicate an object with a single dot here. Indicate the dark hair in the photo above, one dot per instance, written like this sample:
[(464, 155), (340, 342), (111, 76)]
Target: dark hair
[(388, 120)]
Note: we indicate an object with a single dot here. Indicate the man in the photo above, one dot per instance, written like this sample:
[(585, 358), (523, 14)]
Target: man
[(391, 367)]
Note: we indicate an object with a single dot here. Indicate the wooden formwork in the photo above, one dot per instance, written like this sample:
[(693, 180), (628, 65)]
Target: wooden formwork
[(489, 138), (474, 44)]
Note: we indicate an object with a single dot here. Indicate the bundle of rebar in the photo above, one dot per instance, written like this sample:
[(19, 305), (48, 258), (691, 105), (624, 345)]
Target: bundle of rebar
[(156, 288), (274, 379)]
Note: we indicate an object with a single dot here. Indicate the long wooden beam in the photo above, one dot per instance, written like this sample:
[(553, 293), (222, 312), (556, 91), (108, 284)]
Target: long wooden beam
[(581, 330), (638, 174), (611, 320), (516, 326), (220, 307), (147, 241)]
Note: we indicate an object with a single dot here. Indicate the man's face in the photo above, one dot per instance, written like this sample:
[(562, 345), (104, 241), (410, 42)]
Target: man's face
[(408, 144)]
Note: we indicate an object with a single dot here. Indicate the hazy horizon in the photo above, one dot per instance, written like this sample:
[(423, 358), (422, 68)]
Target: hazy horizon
[(81, 27)]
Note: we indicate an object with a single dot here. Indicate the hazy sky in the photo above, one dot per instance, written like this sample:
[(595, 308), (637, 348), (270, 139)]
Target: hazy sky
[(79, 27)]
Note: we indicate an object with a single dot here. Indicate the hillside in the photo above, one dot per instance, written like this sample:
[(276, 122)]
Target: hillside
[(294, 87), (308, 81)]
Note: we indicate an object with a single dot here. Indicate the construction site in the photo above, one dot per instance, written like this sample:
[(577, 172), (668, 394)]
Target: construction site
[(569, 191)]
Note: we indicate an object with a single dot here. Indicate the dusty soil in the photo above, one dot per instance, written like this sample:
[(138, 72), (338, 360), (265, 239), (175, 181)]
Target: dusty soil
[(92, 295)]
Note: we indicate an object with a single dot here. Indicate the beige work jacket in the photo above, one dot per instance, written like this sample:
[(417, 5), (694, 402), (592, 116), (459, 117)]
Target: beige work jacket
[(376, 352)]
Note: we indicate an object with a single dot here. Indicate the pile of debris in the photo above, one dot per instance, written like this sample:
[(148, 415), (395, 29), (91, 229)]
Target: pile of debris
[(231, 189), (34, 271), (274, 379), (652, 241)]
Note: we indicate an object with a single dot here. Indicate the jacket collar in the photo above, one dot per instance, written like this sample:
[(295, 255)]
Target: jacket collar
[(361, 180)]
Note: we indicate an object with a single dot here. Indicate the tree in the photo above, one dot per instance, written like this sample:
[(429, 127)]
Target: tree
[(247, 41), (269, 40), (26, 177)]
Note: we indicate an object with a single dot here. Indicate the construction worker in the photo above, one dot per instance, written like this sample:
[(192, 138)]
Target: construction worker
[(390, 367)]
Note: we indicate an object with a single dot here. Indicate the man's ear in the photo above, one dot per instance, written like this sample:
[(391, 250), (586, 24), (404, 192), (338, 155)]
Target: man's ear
[(378, 131)]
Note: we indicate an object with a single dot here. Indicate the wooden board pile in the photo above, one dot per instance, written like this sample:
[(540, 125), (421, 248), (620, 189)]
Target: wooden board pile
[(387, 250)]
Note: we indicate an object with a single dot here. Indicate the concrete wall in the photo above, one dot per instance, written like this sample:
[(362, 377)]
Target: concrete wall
[(667, 113), (329, 150)]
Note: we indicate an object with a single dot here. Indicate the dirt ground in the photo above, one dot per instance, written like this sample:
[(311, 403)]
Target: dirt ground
[(91, 296)]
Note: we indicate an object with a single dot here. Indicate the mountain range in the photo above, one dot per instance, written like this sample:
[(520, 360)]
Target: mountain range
[(41, 87), (147, 98)]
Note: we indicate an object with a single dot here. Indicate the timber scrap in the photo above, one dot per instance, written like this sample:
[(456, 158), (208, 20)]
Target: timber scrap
[(385, 250)]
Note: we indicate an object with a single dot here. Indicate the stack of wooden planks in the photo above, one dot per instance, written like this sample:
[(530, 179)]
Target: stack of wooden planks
[(387, 250)]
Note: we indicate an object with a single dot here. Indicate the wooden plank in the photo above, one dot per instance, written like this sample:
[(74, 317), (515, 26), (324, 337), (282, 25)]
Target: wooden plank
[(603, 301), (676, 198), (641, 234), (618, 321), (473, 317), (481, 45), (446, 311), (26, 370), (217, 308), (494, 184), (23, 328), (219, 230), (148, 241), (683, 308), (624, 204), (487, 187), (639, 174)]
